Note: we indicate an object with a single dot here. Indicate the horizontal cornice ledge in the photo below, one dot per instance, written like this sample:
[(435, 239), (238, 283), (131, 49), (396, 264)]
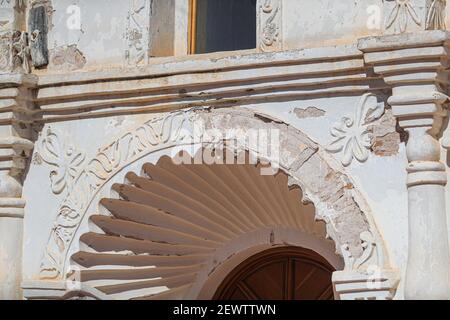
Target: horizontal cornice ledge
[(211, 62), (405, 40), (211, 80), (11, 80)]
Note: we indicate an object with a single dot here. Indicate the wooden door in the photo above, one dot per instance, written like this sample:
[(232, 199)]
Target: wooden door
[(288, 273)]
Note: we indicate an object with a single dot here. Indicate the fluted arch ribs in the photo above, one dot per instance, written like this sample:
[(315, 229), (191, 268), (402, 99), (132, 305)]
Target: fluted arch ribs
[(164, 226)]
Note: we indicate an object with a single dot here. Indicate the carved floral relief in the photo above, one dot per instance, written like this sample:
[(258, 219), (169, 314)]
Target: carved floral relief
[(137, 32), (65, 160), (353, 136)]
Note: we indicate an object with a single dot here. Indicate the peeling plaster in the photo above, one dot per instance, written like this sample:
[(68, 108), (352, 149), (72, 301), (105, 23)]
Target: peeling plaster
[(386, 139), (310, 112), (67, 58)]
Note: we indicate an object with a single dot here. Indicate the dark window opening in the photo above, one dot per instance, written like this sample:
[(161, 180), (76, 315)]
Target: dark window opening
[(223, 25)]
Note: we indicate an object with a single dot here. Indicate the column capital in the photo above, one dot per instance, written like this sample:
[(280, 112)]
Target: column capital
[(16, 103), (415, 66)]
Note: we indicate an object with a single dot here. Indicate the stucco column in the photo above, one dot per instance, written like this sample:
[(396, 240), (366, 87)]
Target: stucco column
[(11, 224), (413, 65), (15, 148), (14, 153)]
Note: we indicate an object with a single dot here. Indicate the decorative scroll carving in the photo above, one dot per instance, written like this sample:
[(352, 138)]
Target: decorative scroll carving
[(15, 52), (401, 13), (436, 15), (362, 278), (353, 136), (21, 54), (137, 33), (269, 25), (161, 132), (65, 160), (369, 255)]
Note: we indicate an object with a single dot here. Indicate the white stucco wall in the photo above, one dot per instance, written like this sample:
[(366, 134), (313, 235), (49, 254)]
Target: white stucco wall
[(102, 41), (329, 22), (105, 26)]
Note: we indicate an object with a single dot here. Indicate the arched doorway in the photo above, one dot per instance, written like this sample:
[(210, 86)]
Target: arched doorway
[(287, 273), (100, 227)]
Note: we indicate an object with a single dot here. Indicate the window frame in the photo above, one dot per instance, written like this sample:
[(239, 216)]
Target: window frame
[(192, 34)]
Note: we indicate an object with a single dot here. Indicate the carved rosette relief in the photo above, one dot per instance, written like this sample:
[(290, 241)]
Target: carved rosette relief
[(352, 136), (137, 32), (66, 160), (269, 25)]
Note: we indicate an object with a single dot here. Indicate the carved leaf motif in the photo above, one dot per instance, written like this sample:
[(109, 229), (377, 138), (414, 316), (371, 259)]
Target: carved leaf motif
[(412, 12), (368, 256), (374, 113), (392, 16), (436, 16), (401, 12), (353, 137)]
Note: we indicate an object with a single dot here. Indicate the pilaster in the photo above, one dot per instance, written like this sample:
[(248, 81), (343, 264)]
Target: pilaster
[(15, 149), (415, 65), (15, 145)]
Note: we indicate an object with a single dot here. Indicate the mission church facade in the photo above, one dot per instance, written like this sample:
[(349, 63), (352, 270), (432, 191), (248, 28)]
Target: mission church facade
[(224, 149)]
